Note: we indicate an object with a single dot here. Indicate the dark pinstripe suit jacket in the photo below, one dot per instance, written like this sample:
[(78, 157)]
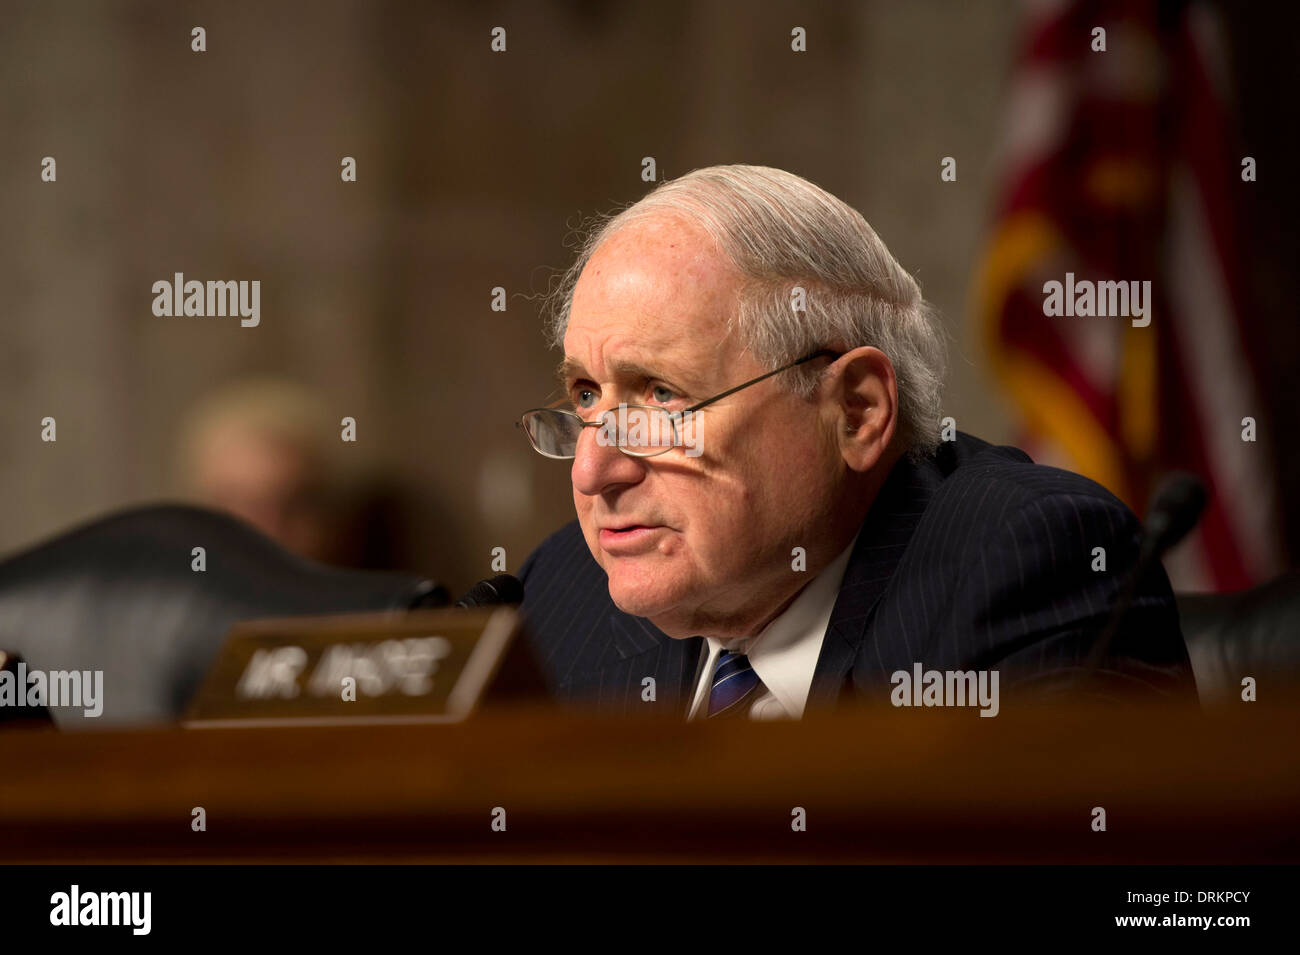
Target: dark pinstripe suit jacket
[(976, 558)]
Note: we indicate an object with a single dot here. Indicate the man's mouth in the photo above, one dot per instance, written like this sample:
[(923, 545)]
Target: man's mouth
[(629, 539)]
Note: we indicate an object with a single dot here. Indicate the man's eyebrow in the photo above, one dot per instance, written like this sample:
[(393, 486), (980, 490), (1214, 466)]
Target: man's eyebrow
[(571, 369)]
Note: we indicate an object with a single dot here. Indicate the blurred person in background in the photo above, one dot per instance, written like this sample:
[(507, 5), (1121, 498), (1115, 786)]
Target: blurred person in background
[(260, 449)]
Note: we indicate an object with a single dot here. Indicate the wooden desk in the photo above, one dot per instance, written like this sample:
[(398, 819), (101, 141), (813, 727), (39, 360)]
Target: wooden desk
[(885, 786)]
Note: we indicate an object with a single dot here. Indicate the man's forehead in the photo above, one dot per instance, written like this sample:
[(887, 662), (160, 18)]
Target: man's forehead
[(657, 273), (654, 300)]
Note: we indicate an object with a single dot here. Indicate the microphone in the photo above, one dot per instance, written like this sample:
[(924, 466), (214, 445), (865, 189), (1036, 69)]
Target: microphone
[(501, 589), (1174, 511), (1175, 508)]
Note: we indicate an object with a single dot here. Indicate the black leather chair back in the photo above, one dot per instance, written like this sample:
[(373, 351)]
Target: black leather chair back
[(120, 595), (1253, 633)]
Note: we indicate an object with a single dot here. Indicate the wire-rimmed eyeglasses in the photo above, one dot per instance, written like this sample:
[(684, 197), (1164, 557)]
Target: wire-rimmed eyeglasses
[(642, 431)]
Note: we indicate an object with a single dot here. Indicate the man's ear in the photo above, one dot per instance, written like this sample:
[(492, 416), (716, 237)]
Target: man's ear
[(861, 398)]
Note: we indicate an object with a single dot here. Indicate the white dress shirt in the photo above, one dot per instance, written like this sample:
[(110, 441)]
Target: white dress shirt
[(784, 653)]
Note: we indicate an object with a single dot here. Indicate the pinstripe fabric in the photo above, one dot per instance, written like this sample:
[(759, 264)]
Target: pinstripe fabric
[(973, 559)]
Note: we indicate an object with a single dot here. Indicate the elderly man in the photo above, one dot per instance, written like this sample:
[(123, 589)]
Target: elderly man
[(767, 519)]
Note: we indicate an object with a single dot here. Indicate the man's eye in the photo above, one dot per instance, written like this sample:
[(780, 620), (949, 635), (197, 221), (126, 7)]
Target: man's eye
[(663, 395), (584, 397)]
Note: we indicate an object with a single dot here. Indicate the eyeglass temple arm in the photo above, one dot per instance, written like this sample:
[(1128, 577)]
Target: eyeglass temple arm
[(732, 391)]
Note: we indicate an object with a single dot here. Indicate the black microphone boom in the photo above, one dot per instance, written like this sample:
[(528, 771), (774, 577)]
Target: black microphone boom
[(1175, 509), (501, 589)]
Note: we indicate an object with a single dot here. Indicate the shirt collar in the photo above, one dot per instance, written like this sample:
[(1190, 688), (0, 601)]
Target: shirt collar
[(784, 653)]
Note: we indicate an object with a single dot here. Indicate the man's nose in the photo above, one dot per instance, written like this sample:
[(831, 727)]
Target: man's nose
[(599, 466)]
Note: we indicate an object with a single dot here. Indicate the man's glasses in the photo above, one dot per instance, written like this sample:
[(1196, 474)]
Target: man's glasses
[(642, 431)]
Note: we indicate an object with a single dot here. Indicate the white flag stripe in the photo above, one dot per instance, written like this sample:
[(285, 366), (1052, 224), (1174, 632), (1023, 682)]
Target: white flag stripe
[(1220, 379)]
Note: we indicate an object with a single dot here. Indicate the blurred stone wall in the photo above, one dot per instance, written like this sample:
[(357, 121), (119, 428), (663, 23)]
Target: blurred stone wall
[(472, 167)]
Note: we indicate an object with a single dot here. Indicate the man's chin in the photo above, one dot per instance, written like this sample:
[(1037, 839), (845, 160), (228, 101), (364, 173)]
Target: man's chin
[(638, 604), (645, 598)]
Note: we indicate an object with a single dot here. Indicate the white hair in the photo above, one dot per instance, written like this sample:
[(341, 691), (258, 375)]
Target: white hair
[(780, 232)]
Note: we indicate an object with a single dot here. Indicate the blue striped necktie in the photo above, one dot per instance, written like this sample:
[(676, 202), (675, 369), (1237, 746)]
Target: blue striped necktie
[(735, 686)]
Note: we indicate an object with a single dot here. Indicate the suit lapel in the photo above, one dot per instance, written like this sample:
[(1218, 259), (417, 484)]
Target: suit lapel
[(638, 649), (886, 532)]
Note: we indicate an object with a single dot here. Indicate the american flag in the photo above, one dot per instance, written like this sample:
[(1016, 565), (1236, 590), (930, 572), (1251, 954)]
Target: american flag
[(1122, 166)]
